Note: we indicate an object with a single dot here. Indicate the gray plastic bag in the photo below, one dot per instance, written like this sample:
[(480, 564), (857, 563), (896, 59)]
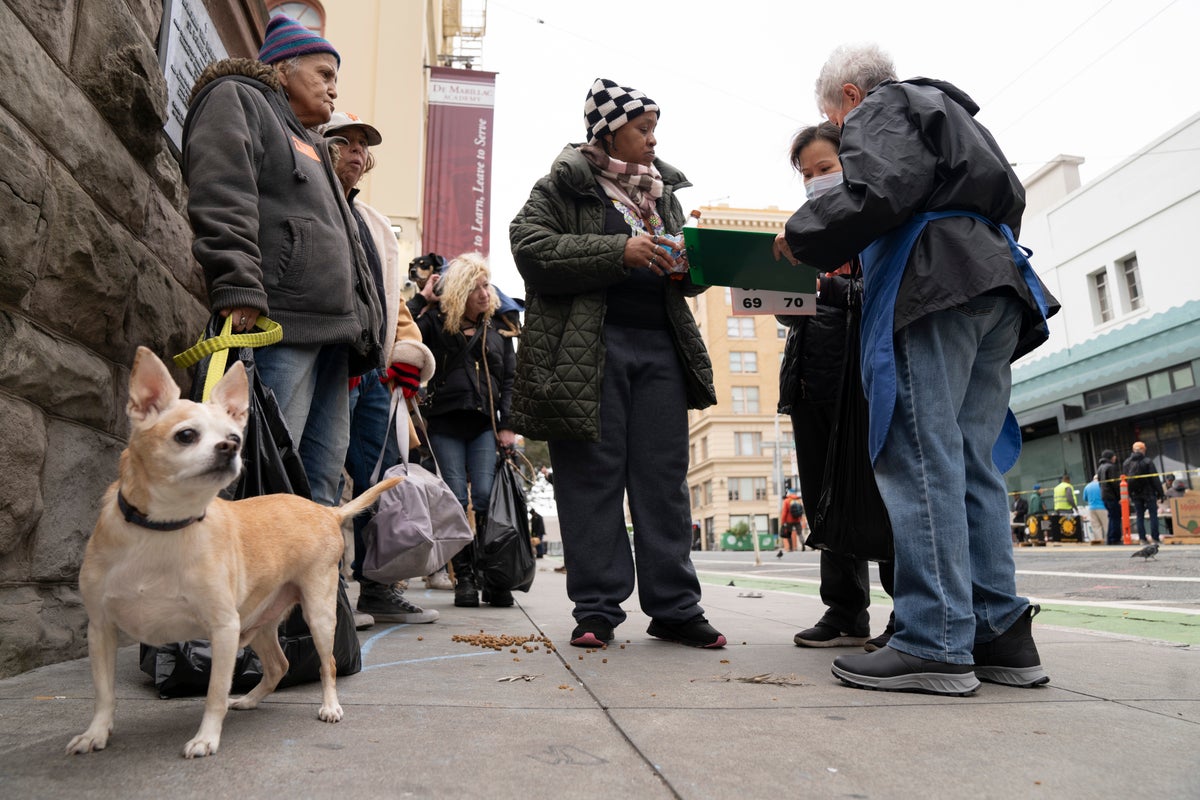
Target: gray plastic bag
[(420, 524)]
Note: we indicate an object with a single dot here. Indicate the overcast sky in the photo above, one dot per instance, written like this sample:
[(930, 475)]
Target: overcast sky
[(1093, 78)]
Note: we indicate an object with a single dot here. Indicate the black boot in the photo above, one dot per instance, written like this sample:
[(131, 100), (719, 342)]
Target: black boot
[(466, 590)]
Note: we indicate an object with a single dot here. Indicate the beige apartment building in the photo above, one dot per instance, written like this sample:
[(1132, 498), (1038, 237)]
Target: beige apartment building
[(741, 452)]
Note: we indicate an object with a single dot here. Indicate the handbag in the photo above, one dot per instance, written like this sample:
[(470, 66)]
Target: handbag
[(504, 557), (851, 518), (270, 465), (420, 524)]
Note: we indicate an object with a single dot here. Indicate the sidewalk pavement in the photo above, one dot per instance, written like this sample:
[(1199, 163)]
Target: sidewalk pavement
[(432, 717)]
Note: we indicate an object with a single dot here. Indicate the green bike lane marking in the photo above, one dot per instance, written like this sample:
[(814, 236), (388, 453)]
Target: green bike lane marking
[(1166, 626)]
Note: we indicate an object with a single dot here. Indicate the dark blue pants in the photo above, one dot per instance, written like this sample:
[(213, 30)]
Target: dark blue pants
[(643, 451), (1142, 505), (1115, 534)]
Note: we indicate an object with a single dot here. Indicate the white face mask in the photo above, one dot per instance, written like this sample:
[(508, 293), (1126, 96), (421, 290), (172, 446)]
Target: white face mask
[(815, 187)]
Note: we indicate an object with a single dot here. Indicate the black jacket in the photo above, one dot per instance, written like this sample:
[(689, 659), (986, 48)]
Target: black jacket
[(815, 351), (459, 381), (911, 147), (1144, 488), (1109, 475)]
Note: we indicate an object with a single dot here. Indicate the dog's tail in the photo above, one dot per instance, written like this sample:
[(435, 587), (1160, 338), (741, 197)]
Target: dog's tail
[(364, 500)]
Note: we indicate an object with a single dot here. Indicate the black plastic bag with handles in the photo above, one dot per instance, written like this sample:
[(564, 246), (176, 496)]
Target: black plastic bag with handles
[(851, 518), (504, 555)]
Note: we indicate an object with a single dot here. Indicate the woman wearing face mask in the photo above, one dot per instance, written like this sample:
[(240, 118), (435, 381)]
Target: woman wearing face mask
[(610, 361), (809, 379)]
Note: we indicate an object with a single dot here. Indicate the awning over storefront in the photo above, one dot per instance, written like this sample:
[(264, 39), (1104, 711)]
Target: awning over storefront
[(1156, 342)]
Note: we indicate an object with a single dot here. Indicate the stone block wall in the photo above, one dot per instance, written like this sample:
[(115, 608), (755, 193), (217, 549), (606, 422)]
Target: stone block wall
[(95, 259)]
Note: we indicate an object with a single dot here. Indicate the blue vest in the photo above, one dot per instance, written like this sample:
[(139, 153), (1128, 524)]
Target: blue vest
[(883, 268)]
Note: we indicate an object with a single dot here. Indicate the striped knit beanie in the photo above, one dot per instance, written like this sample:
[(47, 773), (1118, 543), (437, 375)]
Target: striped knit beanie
[(609, 106), (287, 38)]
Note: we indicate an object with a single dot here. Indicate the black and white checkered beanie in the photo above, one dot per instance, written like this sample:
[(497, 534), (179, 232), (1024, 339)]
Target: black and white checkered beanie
[(609, 106)]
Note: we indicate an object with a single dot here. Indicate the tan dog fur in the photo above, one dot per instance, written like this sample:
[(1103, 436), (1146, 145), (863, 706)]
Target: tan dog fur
[(230, 577)]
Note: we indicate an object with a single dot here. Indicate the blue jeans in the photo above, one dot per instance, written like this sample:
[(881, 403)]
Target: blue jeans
[(1115, 533), (1142, 505), (369, 404), (310, 385), (467, 462), (955, 575)]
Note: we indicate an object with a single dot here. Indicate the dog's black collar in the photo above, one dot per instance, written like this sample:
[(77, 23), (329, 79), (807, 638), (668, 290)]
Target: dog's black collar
[(135, 517)]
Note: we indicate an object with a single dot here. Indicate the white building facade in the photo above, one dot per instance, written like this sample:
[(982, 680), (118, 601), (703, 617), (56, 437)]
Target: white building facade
[(1123, 357)]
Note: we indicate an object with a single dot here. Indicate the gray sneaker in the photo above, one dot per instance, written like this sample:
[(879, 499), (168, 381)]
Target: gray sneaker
[(822, 635), (386, 604)]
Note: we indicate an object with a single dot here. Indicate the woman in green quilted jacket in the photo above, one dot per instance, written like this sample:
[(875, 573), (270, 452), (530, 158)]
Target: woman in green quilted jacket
[(610, 361)]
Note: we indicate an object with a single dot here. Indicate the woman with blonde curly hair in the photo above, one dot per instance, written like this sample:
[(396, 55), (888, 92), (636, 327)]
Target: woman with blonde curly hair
[(469, 398)]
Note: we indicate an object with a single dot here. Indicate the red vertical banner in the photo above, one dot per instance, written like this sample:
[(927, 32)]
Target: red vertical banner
[(458, 162)]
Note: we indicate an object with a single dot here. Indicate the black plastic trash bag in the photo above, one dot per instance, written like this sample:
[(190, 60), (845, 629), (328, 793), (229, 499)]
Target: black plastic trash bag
[(851, 518), (270, 465), (504, 553), (182, 669)]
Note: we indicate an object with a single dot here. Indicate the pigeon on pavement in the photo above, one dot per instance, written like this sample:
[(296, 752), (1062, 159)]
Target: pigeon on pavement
[(1146, 552)]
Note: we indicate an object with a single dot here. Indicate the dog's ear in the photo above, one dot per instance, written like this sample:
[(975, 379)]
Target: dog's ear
[(232, 393), (151, 388)]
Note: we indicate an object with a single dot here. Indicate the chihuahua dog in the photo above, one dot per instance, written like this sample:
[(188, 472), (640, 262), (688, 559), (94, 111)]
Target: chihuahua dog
[(169, 561)]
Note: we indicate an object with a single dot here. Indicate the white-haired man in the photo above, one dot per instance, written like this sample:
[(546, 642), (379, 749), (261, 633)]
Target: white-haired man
[(930, 202)]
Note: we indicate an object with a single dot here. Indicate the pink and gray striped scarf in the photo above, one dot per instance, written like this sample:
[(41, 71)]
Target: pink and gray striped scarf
[(635, 185)]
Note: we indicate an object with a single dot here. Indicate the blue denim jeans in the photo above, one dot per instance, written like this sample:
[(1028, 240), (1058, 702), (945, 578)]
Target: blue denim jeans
[(467, 465), (369, 432), (310, 385), (1141, 507), (1115, 532), (955, 575)]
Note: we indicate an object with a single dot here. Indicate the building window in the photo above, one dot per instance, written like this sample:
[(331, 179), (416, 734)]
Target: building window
[(758, 523), (1101, 304), (1133, 286), (692, 453), (760, 488), (1104, 397), (707, 487), (745, 399), (695, 497), (747, 444), (1141, 388), (780, 330), (308, 13), (703, 448), (739, 327), (1136, 392), (743, 361), (741, 488)]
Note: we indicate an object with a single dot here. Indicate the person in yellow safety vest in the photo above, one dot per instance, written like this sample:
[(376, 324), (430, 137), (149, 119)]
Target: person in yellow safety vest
[(1064, 496)]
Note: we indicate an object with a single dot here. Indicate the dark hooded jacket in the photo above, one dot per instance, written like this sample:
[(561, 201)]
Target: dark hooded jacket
[(272, 227), (1143, 482), (910, 147), (1109, 476), (569, 263)]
